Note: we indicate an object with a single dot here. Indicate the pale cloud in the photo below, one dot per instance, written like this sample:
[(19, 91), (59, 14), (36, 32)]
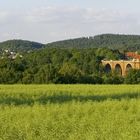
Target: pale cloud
[(9, 35), (55, 15), (46, 24), (3, 16)]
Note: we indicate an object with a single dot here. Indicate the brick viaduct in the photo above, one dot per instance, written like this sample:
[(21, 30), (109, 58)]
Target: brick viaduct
[(121, 66)]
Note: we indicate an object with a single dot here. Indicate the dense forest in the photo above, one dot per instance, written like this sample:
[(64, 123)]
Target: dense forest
[(67, 62), (20, 45), (111, 41), (62, 66)]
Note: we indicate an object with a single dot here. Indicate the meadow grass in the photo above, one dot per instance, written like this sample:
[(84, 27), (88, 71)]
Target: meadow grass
[(69, 112)]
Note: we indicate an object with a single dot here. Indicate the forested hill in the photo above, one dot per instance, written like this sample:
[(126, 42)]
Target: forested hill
[(112, 41), (20, 45)]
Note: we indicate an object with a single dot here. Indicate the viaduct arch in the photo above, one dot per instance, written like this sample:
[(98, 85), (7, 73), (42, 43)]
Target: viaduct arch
[(121, 66)]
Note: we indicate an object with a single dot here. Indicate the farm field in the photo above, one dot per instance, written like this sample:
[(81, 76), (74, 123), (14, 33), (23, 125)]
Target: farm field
[(69, 112)]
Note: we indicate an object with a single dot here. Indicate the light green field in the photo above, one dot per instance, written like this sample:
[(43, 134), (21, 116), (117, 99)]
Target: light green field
[(69, 112)]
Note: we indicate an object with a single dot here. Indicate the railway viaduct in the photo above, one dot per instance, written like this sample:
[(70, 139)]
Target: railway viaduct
[(121, 66)]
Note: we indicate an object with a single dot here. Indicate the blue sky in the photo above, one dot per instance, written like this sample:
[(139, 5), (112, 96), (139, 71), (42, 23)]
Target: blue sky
[(52, 20)]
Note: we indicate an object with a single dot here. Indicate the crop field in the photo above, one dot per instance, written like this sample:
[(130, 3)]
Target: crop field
[(69, 112)]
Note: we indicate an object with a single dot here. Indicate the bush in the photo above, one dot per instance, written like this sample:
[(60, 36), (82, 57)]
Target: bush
[(133, 77)]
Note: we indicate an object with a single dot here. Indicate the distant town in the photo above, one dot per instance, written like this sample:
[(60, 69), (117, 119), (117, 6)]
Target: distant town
[(10, 54)]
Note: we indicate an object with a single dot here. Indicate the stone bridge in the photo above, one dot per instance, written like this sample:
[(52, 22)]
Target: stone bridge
[(121, 66)]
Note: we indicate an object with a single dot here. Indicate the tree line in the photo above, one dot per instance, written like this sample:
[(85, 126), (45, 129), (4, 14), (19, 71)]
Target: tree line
[(111, 41), (63, 66)]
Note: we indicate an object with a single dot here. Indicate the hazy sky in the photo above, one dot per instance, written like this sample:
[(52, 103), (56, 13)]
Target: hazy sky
[(51, 20)]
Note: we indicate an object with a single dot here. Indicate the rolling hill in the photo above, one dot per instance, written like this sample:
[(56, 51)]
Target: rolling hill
[(111, 41), (20, 45)]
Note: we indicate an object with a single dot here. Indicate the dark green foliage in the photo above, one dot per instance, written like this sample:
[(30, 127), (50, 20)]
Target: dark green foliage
[(20, 45), (54, 65), (113, 79), (111, 41), (133, 77), (119, 42)]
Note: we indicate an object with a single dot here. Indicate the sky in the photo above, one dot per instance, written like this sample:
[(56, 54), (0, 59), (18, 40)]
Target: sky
[(52, 20)]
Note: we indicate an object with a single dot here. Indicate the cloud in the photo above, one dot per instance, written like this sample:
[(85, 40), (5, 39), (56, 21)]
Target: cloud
[(81, 15), (10, 17), (55, 23), (3, 16), (85, 20), (54, 15)]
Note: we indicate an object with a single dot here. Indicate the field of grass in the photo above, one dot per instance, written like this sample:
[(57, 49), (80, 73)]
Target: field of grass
[(69, 112)]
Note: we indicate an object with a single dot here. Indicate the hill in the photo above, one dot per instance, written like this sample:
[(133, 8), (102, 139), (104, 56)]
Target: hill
[(20, 45), (111, 41)]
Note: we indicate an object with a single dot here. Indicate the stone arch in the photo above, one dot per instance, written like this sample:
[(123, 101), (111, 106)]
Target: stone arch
[(118, 69), (108, 68), (128, 67)]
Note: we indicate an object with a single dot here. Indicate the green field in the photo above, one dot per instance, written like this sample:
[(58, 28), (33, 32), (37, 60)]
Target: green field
[(69, 112)]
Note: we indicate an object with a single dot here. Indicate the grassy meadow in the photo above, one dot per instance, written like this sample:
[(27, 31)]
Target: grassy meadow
[(69, 112)]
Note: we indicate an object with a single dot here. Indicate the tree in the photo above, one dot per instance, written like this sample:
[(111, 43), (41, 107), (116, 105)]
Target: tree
[(69, 73), (133, 77), (46, 74)]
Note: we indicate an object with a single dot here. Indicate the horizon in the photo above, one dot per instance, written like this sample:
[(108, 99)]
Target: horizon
[(49, 21), (68, 38)]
